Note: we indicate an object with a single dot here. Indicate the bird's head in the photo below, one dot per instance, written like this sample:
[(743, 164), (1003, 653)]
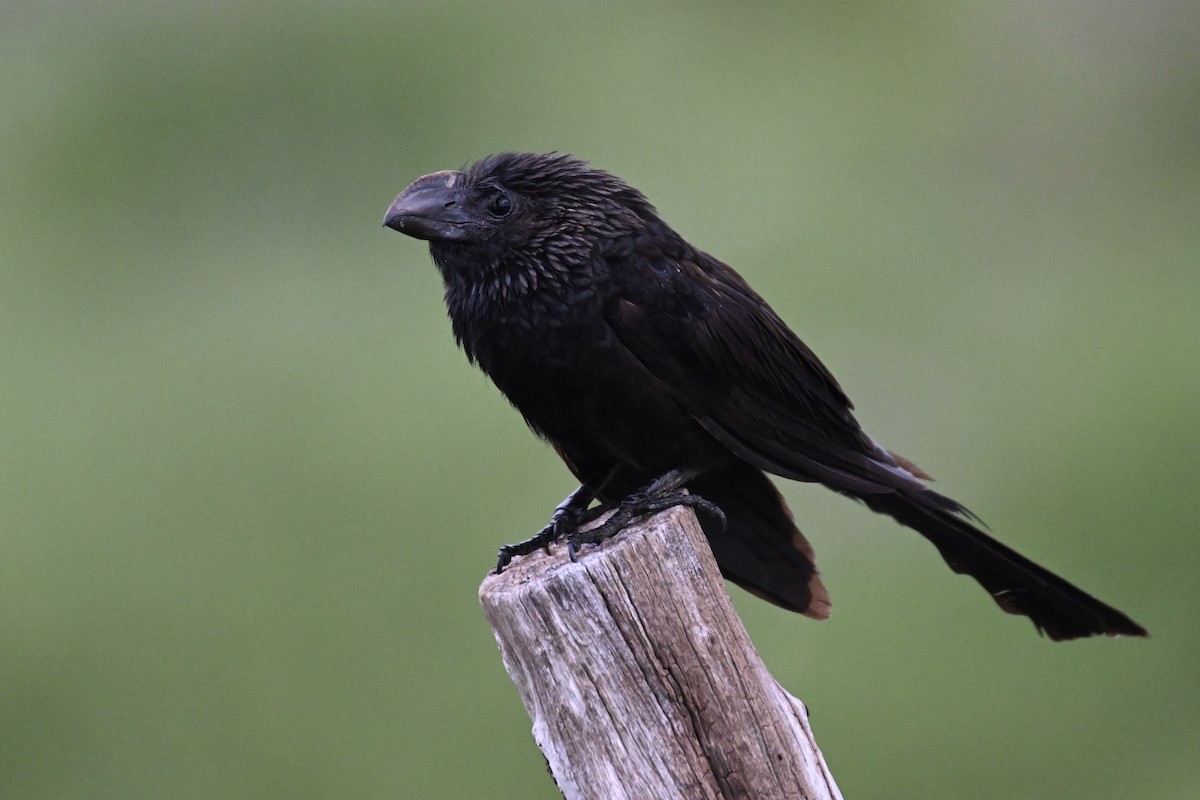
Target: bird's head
[(526, 204)]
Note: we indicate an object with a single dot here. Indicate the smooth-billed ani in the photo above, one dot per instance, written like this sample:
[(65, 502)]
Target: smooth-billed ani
[(651, 367)]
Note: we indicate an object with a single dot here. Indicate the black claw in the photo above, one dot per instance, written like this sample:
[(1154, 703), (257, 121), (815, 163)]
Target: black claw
[(573, 513), (542, 538), (632, 508), (712, 510)]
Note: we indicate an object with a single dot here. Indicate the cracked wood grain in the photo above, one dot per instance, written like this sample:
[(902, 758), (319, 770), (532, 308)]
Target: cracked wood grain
[(641, 680)]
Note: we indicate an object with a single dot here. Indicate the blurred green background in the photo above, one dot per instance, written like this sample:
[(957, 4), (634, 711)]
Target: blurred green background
[(249, 486)]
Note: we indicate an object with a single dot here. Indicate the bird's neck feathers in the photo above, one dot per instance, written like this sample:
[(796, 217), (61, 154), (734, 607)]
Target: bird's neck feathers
[(494, 296), (497, 277)]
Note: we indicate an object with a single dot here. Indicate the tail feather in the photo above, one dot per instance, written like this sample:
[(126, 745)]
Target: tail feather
[(760, 548), (1018, 585)]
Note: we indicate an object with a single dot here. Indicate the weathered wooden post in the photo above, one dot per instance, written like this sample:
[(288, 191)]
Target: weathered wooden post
[(640, 678)]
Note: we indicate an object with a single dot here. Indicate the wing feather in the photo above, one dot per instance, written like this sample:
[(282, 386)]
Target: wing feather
[(741, 373)]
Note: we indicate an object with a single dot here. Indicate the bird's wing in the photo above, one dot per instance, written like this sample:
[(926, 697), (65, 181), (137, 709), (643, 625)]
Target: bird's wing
[(741, 373)]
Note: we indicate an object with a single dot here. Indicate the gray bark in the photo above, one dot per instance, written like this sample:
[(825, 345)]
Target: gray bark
[(641, 680)]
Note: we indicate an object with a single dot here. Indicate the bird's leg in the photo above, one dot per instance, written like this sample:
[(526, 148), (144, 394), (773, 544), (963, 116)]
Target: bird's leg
[(666, 491), (565, 518)]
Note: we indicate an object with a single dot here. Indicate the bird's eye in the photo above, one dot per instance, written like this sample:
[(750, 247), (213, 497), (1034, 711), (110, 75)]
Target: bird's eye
[(500, 206)]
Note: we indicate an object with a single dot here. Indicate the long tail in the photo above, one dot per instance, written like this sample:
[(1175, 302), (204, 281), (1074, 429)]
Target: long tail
[(760, 548), (1019, 586)]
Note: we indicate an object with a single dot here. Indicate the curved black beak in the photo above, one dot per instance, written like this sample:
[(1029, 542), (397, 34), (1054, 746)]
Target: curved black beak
[(431, 208)]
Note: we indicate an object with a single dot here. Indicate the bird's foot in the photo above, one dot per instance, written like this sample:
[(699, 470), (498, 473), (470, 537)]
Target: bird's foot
[(632, 508), (567, 517), (572, 514), (561, 524)]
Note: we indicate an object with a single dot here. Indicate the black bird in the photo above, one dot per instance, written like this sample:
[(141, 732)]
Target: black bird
[(652, 367)]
